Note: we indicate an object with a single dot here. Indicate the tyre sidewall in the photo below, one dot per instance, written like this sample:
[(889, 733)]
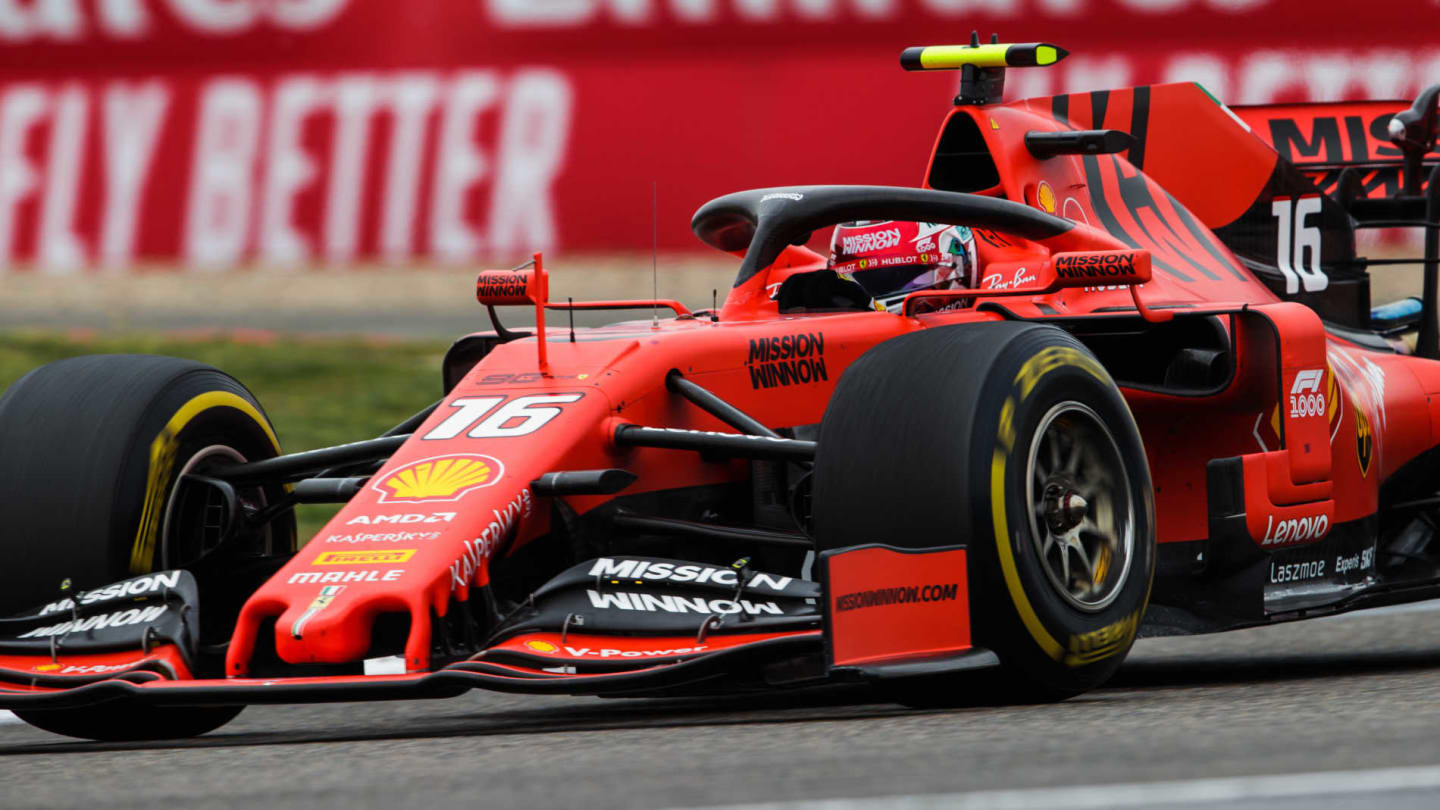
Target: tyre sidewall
[(1021, 615), (202, 409), (86, 443)]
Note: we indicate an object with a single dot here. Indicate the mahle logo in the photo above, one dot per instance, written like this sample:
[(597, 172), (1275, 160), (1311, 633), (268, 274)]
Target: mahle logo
[(439, 478)]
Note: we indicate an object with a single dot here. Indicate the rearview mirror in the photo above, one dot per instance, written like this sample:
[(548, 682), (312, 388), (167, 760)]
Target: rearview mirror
[(1101, 268), (524, 285)]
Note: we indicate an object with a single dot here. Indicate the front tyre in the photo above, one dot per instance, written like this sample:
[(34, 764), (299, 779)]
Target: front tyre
[(124, 721), (94, 454), (1012, 439)]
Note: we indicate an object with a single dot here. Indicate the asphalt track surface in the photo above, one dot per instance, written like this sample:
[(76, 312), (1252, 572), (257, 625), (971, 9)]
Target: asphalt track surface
[(1330, 713)]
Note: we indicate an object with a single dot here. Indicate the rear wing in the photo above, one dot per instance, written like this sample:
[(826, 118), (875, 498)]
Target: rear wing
[(1324, 139), (1378, 160)]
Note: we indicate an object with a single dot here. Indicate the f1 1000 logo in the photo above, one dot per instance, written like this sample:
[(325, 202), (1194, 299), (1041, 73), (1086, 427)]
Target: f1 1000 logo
[(1305, 396)]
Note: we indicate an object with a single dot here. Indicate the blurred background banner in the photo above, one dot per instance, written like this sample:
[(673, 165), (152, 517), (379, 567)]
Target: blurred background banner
[(205, 134)]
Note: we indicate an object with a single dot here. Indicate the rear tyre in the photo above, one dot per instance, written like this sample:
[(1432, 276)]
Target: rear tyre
[(1011, 439), (92, 450)]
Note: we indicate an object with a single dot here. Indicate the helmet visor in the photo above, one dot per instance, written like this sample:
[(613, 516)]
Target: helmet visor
[(880, 282)]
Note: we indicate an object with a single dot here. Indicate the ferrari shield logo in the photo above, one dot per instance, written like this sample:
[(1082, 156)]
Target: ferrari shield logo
[(322, 601), (1364, 441)]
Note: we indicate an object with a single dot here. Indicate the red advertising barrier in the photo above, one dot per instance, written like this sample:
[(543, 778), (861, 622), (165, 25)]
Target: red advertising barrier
[(207, 133)]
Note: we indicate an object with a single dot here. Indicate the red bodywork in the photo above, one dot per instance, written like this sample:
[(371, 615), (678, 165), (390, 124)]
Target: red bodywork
[(1316, 421)]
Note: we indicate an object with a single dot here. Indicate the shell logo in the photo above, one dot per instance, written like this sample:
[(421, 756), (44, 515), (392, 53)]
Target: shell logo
[(47, 667), (439, 478), (542, 647), (1045, 196)]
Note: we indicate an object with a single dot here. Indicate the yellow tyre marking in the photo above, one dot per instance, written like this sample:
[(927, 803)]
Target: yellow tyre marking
[(162, 461), (1097, 645), (1031, 621), (1051, 358)]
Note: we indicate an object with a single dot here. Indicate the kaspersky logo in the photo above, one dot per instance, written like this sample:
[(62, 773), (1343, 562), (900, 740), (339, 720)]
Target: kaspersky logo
[(439, 478)]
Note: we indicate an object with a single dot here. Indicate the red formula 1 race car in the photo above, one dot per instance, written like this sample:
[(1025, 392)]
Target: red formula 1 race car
[(1164, 404)]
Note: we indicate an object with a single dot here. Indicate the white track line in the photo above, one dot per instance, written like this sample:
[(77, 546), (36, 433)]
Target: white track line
[(1137, 794), (9, 717)]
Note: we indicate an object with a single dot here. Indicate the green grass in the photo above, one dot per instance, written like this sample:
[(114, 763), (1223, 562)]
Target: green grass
[(317, 392)]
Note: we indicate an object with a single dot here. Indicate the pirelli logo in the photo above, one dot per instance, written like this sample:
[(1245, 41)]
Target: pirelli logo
[(1087, 648), (387, 557)]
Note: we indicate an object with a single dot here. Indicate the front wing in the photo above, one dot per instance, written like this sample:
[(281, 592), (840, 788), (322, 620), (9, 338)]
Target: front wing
[(882, 613)]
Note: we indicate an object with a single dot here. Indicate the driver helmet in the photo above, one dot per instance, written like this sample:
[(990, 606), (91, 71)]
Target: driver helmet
[(891, 259)]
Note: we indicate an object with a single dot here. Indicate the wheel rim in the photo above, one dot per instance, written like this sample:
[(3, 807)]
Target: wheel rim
[(178, 551), (1082, 516)]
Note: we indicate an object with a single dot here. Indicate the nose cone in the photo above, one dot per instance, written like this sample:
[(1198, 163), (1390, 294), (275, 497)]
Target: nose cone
[(336, 627), (322, 631)]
